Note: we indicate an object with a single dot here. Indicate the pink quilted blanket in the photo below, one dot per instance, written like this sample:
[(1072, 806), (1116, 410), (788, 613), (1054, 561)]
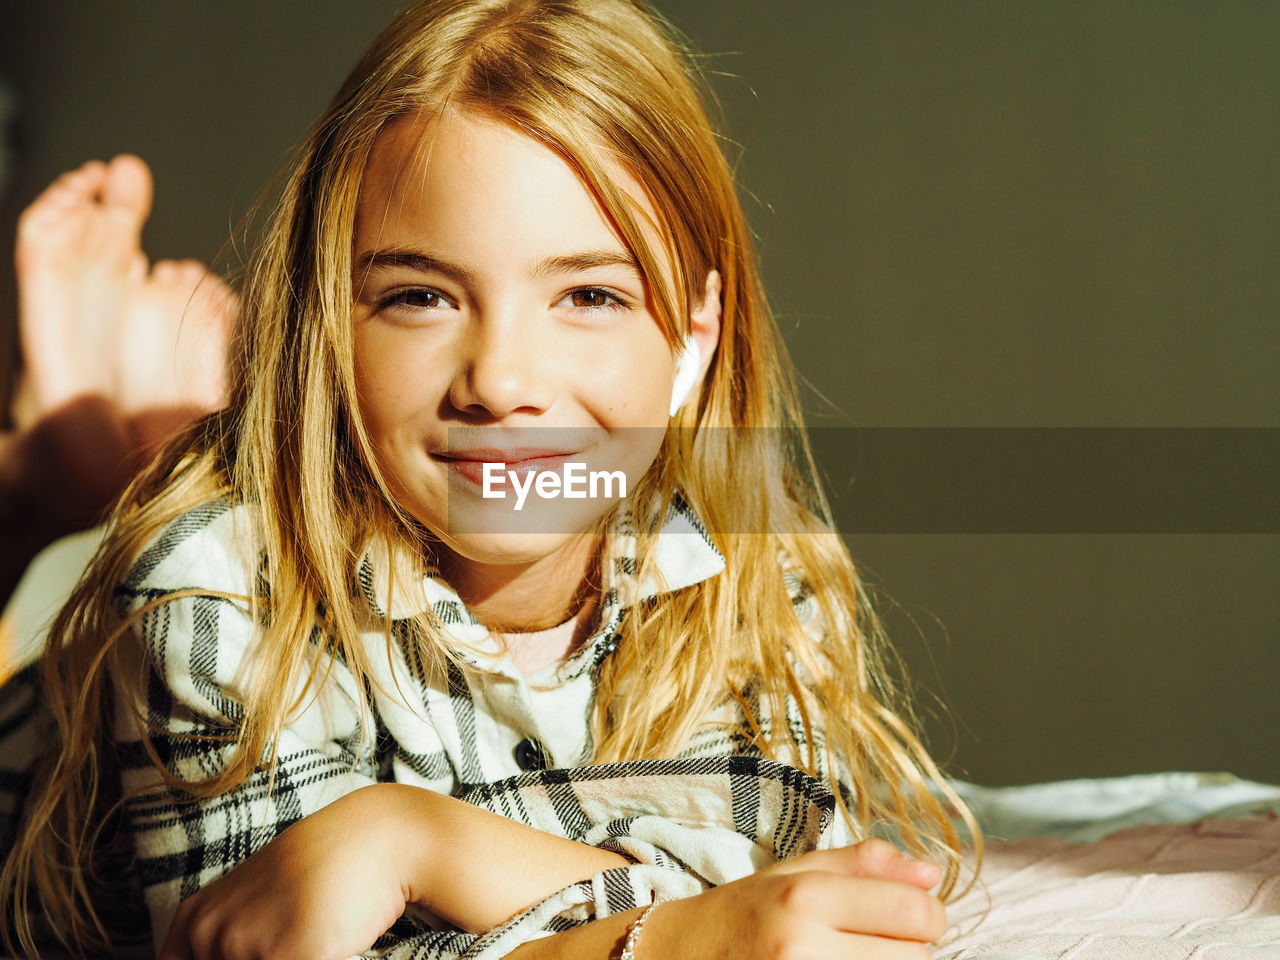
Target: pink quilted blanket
[(1199, 891)]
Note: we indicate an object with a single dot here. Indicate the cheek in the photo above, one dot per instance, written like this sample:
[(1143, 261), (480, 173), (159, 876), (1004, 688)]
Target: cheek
[(397, 409), (392, 380), (633, 383), (377, 401)]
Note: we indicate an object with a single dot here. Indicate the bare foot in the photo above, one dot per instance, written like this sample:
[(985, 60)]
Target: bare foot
[(116, 355), (96, 322), (78, 252), (172, 349)]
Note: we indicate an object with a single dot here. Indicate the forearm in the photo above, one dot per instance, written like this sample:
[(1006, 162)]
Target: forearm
[(477, 869), (598, 940), (676, 930)]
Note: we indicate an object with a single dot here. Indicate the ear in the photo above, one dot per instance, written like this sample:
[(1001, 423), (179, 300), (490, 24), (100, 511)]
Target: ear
[(699, 345), (704, 323)]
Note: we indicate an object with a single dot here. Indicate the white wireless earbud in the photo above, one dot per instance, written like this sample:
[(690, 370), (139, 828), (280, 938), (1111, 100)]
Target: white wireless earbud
[(686, 373)]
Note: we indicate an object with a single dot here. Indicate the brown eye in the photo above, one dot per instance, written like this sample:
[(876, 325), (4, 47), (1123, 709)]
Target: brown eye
[(416, 298), (595, 298), (590, 298)]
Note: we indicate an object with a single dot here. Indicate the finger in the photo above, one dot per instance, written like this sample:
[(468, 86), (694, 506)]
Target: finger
[(861, 905), (862, 947), (918, 873), (877, 859), (881, 860)]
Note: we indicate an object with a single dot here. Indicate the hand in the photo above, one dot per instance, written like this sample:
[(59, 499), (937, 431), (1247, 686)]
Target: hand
[(324, 888), (860, 902)]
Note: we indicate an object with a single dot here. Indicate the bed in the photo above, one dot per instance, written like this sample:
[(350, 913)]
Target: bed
[(1164, 866), (1173, 866)]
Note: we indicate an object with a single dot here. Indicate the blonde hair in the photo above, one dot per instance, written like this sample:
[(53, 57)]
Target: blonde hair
[(600, 82)]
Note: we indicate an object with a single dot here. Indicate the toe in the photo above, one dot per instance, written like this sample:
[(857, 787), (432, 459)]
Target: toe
[(71, 188), (82, 185), (90, 176), (191, 271), (138, 267), (46, 228), (128, 187)]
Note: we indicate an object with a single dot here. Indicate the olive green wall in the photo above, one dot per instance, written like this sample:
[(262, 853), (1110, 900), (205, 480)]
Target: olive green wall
[(970, 214), (1036, 214)]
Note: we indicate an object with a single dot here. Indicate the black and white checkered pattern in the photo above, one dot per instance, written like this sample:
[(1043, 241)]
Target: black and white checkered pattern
[(462, 734)]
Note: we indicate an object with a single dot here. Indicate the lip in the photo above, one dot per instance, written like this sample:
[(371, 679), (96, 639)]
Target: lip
[(504, 454), (469, 464)]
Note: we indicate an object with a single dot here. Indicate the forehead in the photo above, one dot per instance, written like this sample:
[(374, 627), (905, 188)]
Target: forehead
[(467, 180)]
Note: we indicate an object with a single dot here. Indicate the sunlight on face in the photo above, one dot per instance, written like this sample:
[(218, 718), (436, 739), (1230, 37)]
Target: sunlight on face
[(498, 318)]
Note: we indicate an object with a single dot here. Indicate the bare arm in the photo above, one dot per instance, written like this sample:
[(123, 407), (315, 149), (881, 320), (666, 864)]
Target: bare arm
[(865, 902), (460, 858), (332, 883), (598, 940)]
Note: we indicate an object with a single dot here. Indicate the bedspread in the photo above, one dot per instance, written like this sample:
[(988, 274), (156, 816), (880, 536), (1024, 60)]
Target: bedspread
[(1202, 891), (1174, 866), (1208, 889)]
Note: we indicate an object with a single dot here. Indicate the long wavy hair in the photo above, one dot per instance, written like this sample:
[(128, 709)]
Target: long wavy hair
[(599, 82)]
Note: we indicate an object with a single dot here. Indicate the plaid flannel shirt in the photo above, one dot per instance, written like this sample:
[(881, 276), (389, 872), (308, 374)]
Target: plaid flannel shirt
[(515, 745)]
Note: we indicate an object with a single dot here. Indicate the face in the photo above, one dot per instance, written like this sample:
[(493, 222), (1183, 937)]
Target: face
[(499, 319)]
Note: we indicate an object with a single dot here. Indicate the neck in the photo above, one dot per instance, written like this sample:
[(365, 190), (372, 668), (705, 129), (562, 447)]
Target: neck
[(531, 596)]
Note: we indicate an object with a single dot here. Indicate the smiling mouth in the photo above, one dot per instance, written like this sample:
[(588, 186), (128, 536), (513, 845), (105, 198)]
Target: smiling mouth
[(470, 464)]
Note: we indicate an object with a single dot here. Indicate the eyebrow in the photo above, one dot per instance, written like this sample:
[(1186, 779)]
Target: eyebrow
[(548, 266)]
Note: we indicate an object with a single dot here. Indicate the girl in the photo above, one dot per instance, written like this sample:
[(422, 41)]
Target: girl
[(320, 648)]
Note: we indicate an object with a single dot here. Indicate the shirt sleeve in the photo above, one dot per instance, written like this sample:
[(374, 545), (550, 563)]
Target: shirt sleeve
[(685, 823), (190, 647), (811, 620)]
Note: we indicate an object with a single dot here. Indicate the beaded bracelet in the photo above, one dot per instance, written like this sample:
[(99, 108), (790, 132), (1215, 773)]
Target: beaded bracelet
[(633, 934)]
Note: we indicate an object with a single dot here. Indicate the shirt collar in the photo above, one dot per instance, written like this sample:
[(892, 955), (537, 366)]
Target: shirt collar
[(684, 555)]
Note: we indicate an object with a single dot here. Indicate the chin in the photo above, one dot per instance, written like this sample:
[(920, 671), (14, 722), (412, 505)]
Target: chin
[(494, 533), (507, 549)]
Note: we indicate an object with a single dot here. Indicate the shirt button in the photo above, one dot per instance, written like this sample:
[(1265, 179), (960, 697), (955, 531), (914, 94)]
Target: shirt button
[(530, 754)]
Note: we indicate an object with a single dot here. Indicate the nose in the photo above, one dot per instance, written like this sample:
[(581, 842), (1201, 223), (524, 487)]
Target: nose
[(503, 372)]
